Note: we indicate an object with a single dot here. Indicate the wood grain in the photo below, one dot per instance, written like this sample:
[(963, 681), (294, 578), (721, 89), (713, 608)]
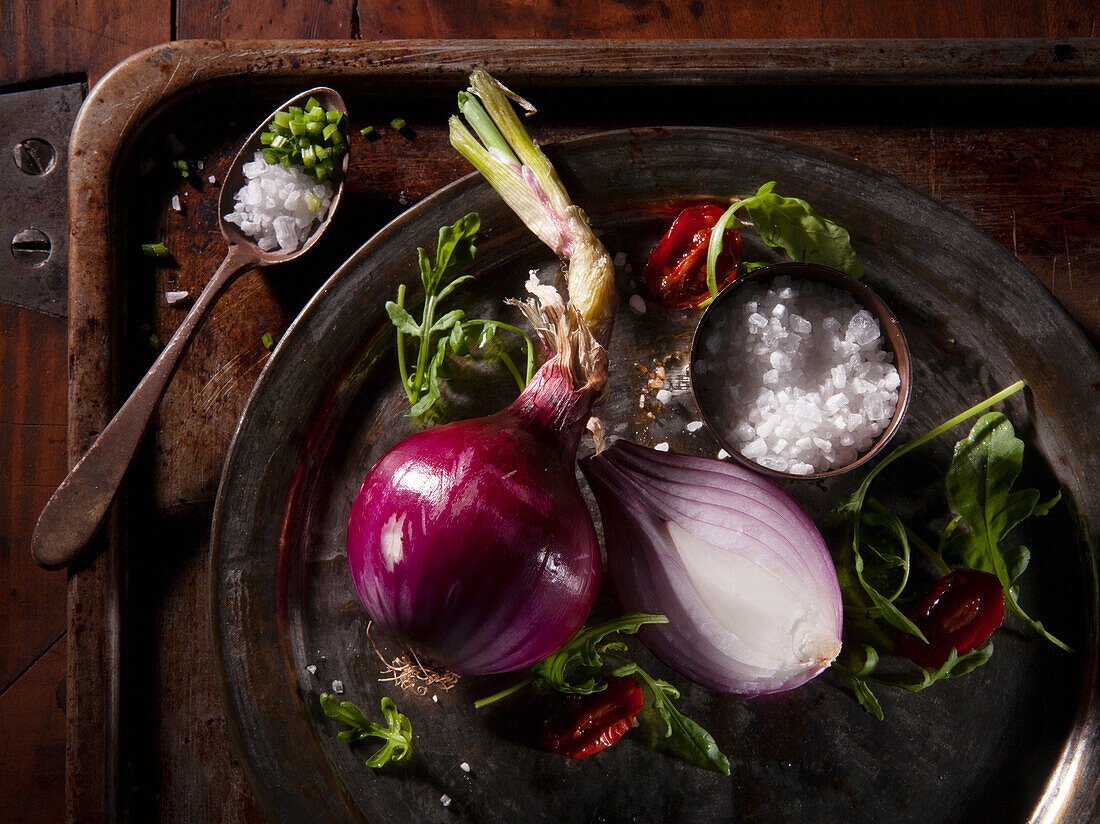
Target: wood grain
[(50, 38)]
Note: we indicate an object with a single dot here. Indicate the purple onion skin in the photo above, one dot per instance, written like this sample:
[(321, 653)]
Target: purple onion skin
[(471, 540)]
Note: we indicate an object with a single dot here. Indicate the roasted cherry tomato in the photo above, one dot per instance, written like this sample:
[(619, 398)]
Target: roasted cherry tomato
[(676, 273), (593, 722), (960, 613)]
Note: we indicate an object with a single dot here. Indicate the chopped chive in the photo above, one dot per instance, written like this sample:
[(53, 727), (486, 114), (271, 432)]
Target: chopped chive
[(297, 127), (397, 124), (154, 341), (306, 137), (312, 103), (267, 341), (334, 116), (367, 131), (316, 127), (282, 119), (156, 250), (183, 167), (313, 202), (266, 138), (295, 111), (330, 130)]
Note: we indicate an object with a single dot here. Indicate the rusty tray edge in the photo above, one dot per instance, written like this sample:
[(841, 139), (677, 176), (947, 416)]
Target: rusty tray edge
[(126, 96)]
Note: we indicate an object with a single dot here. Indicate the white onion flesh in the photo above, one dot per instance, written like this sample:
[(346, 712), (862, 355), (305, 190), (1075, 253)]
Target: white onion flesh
[(740, 570)]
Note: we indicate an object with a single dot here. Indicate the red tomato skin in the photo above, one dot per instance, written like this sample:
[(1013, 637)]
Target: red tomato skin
[(591, 723), (960, 613), (676, 272)]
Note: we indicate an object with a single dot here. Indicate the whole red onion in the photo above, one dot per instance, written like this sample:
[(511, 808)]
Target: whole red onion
[(471, 540)]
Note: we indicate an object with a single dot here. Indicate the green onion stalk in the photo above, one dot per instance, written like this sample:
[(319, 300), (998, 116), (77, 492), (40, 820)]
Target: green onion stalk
[(494, 140)]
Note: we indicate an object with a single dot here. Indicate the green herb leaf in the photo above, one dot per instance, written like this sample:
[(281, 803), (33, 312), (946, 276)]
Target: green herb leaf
[(400, 318), (866, 698), (791, 224), (576, 668), (985, 465), (396, 735)]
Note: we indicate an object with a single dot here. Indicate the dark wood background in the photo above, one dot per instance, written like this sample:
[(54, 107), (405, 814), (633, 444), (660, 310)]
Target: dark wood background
[(44, 39)]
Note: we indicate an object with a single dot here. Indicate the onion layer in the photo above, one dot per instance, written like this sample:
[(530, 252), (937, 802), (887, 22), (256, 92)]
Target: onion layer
[(742, 573)]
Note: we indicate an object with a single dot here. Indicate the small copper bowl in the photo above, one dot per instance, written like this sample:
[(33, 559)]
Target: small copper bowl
[(726, 308)]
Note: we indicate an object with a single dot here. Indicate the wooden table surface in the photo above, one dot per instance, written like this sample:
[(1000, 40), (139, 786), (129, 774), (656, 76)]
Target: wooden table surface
[(53, 39)]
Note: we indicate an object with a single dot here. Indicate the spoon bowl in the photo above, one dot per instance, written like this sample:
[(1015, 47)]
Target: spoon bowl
[(74, 513), (726, 310), (235, 179)]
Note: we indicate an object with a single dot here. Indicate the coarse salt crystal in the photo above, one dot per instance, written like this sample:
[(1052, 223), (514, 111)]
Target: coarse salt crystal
[(662, 446), (176, 203), (694, 426), (338, 687), (723, 454), (663, 396), (175, 297), (464, 767), (312, 669), (445, 800)]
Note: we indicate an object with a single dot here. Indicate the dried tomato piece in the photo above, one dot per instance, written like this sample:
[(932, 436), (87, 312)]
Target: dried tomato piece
[(676, 273), (960, 613), (590, 723)]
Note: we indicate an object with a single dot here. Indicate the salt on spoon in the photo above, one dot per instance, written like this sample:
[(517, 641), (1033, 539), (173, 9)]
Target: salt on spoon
[(75, 511)]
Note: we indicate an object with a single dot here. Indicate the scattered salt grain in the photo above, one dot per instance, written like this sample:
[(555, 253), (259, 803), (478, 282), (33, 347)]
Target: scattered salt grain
[(811, 383), (211, 179), (338, 687), (663, 396), (312, 669), (464, 767), (278, 205), (176, 202), (662, 446), (435, 698), (723, 454), (694, 426), (445, 800), (637, 303), (175, 297)]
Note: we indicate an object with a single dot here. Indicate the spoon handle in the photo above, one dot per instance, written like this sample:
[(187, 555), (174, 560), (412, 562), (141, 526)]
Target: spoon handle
[(73, 514)]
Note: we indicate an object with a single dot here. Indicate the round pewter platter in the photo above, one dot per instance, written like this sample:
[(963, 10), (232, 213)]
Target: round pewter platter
[(1014, 741)]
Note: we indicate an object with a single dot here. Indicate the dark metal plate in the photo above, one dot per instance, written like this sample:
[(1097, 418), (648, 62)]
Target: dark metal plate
[(1014, 741)]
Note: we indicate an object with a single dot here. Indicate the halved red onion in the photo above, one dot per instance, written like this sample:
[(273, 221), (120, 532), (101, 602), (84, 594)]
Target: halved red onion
[(740, 570)]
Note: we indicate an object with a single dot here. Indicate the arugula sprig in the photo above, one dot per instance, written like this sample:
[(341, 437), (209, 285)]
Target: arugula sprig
[(396, 735), (583, 665), (873, 563), (451, 331), (790, 224)]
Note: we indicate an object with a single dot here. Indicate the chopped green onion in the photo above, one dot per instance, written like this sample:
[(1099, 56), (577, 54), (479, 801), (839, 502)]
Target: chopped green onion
[(183, 167), (156, 250), (397, 124), (313, 202), (267, 341), (367, 131), (306, 137), (154, 341)]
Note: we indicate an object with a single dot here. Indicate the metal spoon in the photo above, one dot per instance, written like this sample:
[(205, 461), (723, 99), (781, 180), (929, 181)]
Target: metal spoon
[(75, 511)]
